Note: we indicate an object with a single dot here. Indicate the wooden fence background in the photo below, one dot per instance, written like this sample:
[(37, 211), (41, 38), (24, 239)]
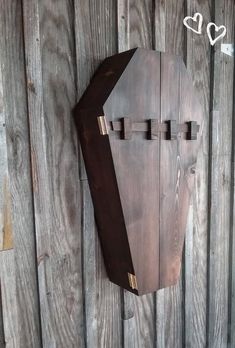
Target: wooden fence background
[(54, 290)]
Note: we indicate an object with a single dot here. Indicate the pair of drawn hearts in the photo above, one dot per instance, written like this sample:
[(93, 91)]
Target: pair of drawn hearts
[(199, 19)]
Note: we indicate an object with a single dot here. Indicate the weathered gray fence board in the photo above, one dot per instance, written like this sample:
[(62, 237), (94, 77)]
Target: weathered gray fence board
[(95, 30), (123, 30), (138, 321), (159, 44), (6, 238), (232, 240), (8, 321), (2, 335), (159, 27), (90, 244), (198, 64), (18, 276), (140, 23), (12, 337), (50, 56), (220, 174)]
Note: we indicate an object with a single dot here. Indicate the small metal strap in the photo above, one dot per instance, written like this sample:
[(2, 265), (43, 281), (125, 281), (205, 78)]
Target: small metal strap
[(132, 281), (102, 123)]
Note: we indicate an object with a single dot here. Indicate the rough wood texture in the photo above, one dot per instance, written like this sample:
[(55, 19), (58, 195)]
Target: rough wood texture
[(2, 334), (198, 64), (18, 269), (220, 189), (6, 236), (187, 315), (231, 299), (50, 57), (12, 337)]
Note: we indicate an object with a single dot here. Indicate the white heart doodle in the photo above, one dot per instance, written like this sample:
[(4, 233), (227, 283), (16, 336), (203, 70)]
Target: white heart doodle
[(196, 18), (216, 29)]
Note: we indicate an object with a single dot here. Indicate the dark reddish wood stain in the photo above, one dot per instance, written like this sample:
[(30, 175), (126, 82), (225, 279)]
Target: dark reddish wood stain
[(140, 173)]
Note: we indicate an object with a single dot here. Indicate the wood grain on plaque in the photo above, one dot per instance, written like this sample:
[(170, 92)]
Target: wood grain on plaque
[(136, 162), (169, 37), (169, 174), (135, 29)]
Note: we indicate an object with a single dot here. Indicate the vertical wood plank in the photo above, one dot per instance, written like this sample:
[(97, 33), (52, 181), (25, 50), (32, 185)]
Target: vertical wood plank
[(231, 341), (95, 29), (138, 321), (2, 334), (7, 336), (220, 176), (90, 245), (18, 276), (135, 30), (123, 25), (169, 37), (10, 309), (160, 25), (169, 183), (168, 28), (50, 57), (188, 305), (198, 65), (169, 172), (6, 237), (140, 23)]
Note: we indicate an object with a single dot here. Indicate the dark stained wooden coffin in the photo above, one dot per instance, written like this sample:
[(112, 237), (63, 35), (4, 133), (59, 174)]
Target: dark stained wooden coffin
[(139, 124)]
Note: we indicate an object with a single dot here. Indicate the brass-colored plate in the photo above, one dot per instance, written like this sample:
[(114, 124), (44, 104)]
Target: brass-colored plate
[(132, 281)]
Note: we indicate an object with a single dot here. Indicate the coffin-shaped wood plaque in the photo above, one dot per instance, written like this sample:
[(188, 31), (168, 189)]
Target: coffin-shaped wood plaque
[(139, 124)]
